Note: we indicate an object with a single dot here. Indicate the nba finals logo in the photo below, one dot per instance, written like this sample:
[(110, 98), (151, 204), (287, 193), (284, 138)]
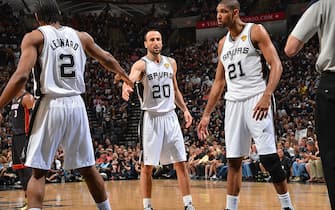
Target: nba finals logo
[(244, 37), (166, 65)]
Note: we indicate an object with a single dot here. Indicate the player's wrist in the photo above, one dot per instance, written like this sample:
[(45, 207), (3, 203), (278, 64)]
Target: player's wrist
[(206, 114), (185, 111)]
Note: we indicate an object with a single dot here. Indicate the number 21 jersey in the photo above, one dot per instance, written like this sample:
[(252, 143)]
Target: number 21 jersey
[(242, 65), (62, 63)]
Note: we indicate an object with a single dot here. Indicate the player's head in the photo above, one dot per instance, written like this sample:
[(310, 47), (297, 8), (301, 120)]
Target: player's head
[(47, 11), (153, 42), (227, 12)]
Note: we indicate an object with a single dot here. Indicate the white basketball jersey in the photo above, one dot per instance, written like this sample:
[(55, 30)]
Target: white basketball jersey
[(158, 89), (62, 62), (243, 67)]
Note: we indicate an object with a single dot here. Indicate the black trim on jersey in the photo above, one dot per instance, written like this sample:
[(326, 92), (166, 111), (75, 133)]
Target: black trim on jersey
[(311, 3), (273, 105), (265, 68), (37, 77), (33, 114), (274, 114), (139, 90)]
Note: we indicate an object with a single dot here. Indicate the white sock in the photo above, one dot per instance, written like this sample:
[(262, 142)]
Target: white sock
[(34, 209), (285, 200), (232, 202), (104, 205), (147, 202), (187, 200)]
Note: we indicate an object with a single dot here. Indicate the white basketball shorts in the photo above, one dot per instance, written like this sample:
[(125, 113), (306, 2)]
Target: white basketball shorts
[(240, 127), (60, 122), (163, 140)]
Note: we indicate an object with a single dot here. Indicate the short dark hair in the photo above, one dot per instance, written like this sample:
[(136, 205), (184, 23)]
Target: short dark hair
[(149, 30), (231, 4), (47, 11)]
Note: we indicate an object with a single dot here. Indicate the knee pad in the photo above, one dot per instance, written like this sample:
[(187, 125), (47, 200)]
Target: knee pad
[(272, 164)]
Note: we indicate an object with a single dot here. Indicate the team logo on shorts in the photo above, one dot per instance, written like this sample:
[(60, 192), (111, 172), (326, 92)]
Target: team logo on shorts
[(244, 37), (166, 65)]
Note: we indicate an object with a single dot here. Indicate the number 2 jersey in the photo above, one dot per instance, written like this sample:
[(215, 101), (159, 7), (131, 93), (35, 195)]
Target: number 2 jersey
[(158, 92), (242, 65), (62, 63)]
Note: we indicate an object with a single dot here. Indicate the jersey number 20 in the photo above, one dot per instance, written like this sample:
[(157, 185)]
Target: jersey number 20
[(156, 91)]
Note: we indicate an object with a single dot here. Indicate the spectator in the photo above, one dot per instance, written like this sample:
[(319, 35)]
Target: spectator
[(285, 163), (314, 166)]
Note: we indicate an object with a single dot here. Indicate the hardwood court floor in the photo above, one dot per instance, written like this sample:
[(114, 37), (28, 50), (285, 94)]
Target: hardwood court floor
[(207, 195)]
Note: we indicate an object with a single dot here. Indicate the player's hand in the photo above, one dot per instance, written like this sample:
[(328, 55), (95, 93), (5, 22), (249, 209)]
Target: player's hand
[(126, 79), (128, 82), (202, 130), (188, 119), (126, 91), (262, 107)]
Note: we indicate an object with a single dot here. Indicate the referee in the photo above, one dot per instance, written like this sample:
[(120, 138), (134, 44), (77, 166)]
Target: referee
[(320, 18)]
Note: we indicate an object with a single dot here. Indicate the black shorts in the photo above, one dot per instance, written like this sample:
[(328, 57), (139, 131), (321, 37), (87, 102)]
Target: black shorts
[(18, 143)]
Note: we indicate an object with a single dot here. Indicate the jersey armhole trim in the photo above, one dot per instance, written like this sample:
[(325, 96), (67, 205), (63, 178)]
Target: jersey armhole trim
[(145, 69), (223, 44), (249, 34), (44, 43)]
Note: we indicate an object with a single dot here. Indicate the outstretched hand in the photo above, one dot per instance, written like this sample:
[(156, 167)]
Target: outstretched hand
[(126, 91), (202, 130), (118, 78)]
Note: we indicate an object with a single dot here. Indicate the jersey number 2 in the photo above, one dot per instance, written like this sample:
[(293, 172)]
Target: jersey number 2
[(68, 62), (232, 68)]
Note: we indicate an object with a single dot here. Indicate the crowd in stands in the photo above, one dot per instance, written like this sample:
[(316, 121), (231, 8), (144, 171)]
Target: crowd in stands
[(294, 120), (248, 7)]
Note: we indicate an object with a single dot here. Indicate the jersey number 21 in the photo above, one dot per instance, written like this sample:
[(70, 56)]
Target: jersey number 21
[(232, 70)]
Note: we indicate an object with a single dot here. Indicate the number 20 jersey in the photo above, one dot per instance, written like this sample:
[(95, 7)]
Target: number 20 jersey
[(242, 65), (62, 63), (158, 93)]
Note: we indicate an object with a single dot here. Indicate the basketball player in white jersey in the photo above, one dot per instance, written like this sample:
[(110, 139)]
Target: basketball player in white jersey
[(163, 141), (248, 98), (61, 117)]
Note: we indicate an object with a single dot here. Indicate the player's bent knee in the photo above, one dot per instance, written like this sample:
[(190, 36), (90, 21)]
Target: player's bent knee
[(272, 164)]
